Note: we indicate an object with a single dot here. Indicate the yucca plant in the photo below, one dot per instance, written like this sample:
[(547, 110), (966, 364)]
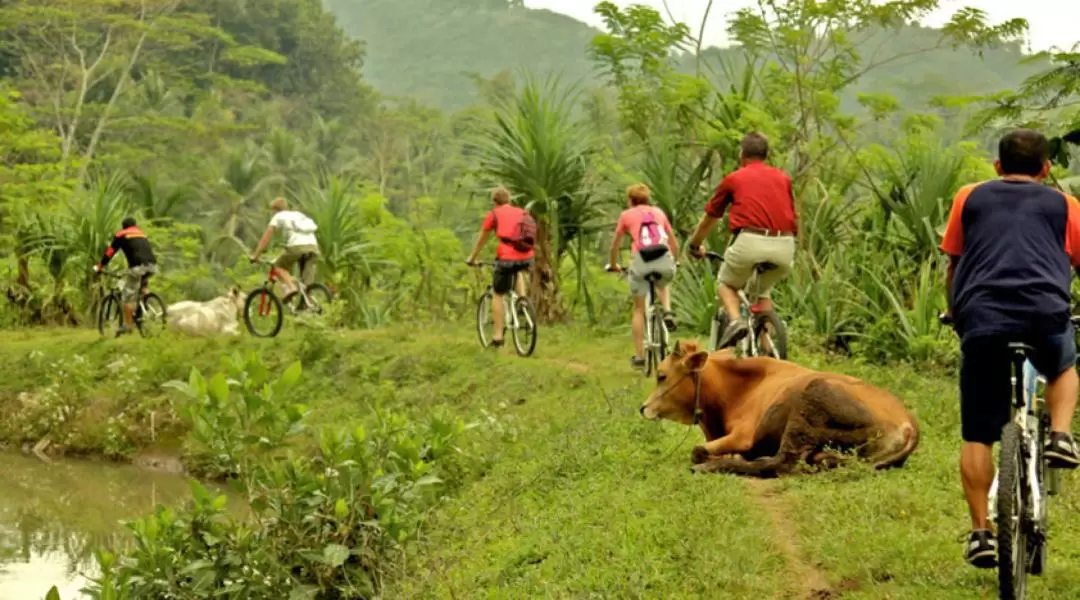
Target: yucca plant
[(535, 146), (344, 247)]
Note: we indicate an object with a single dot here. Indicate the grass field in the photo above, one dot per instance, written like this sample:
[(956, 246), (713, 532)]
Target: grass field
[(580, 497)]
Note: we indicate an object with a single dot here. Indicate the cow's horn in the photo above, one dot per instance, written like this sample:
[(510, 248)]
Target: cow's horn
[(676, 350)]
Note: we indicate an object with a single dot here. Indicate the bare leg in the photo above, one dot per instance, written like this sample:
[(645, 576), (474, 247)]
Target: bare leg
[(977, 472), (519, 284), (129, 315), (1061, 399), (665, 297), (286, 280), (637, 326), (498, 311), (730, 297)]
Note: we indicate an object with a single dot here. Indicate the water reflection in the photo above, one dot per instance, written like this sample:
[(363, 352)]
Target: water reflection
[(53, 517)]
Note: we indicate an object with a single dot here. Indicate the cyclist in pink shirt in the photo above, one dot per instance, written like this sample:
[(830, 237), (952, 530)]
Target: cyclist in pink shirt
[(653, 249)]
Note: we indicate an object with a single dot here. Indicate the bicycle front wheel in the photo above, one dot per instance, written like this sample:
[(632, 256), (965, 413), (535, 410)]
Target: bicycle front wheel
[(263, 314), (525, 332), (109, 313), (770, 335), (485, 322), (1012, 542), (150, 315)]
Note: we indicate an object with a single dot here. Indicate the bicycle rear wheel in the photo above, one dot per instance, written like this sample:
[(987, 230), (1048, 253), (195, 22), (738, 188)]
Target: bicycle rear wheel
[(151, 321), (525, 332), (1011, 521), (110, 312), (318, 295), (263, 314), (485, 322), (770, 329)]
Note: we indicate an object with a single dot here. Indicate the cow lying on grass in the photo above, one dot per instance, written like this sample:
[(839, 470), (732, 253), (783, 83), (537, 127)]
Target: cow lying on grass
[(217, 316), (765, 417)]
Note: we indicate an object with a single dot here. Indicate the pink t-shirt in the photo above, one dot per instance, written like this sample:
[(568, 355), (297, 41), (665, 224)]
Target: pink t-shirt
[(630, 223)]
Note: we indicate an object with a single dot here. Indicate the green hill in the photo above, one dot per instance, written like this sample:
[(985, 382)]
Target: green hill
[(426, 49)]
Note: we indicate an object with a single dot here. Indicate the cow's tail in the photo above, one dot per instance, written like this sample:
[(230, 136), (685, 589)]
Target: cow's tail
[(907, 439)]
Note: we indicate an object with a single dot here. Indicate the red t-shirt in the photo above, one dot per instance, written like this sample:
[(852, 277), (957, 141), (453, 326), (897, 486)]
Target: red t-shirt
[(506, 217), (760, 197)]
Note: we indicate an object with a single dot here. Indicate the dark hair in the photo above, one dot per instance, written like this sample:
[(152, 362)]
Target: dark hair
[(128, 222), (1023, 152), (755, 146)]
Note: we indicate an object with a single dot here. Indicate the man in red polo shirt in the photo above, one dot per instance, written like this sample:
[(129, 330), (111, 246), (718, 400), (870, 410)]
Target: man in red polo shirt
[(763, 222)]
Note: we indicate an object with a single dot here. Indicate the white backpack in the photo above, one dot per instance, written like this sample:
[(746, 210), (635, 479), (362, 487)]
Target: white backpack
[(302, 223)]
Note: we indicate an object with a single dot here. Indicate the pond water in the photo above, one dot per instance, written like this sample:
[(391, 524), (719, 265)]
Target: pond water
[(54, 516)]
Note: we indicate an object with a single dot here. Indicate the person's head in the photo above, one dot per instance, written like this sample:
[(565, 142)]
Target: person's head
[(637, 194), (500, 196), (1023, 152), (127, 222), (754, 146), (279, 204)]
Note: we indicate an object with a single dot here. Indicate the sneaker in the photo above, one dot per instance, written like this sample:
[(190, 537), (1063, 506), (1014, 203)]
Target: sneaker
[(637, 362), (1060, 451), (121, 330), (669, 320), (733, 333), (981, 551), (496, 343)]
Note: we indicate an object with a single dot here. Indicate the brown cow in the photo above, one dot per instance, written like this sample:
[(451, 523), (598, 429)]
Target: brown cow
[(765, 417)]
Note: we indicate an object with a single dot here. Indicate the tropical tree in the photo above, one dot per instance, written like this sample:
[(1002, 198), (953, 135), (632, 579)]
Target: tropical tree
[(535, 147)]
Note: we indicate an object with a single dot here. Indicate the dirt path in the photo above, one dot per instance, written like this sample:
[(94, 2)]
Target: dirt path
[(810, 582)]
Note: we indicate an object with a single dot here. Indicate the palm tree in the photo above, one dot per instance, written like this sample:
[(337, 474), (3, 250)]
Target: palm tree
[(246, 179), (538, 149)]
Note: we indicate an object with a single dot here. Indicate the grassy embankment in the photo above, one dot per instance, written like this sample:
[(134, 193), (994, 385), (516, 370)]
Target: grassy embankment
[(580, 497)]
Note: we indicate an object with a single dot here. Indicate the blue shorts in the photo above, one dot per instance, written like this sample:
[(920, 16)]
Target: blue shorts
[(985, 371)]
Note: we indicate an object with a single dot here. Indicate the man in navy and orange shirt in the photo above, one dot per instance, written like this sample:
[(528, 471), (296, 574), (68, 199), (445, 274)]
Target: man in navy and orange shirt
[(1012, 244), (141, 263)]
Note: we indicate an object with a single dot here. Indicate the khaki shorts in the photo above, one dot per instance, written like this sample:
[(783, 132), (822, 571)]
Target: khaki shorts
[(663, 266), (751, 249), (293, 255), (135, 282)]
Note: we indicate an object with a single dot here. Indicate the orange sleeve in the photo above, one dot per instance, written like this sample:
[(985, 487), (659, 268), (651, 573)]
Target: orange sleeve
[(952, 243), (489, 221), (1072, 231)]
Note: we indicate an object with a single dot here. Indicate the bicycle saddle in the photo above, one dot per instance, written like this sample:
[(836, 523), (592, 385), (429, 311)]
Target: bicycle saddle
[(654, 277), (765, 266)]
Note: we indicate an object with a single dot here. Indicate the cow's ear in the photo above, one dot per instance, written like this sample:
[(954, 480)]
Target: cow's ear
[(696, 361)]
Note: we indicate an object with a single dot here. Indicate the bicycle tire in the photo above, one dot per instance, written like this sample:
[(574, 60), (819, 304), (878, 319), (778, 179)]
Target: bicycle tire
[(483, 311), (1012, 543), (109, 311), (149, 300), (526, 324), (658, 351), (777, 336), (314, 291), (261, 296)]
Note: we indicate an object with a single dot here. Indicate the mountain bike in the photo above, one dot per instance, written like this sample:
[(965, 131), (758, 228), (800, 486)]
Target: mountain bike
[(150, 313), (520, 318), (313, 298), (1018, 494), (768, 332), (656, 331)]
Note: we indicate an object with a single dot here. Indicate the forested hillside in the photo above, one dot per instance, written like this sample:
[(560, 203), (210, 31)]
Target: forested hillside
[(426, 49)]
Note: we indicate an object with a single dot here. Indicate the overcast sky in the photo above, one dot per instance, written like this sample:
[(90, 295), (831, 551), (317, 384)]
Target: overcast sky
[(1052, 22)]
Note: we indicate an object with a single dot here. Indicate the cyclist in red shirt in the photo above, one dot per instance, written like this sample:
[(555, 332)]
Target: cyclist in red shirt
[(513, 256), (763, 222)]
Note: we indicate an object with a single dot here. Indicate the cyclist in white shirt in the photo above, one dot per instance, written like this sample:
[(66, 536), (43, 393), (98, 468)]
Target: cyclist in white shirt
[(300, 243)]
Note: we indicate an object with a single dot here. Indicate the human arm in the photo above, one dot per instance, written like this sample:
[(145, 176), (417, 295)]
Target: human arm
[(714, 211), (264, 241), (485, 233), (621, 227), (116, 246), (673, 244), (952, 242)]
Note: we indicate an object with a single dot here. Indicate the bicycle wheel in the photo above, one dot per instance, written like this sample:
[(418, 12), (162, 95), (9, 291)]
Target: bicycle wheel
[(318, 294), (1012, 545), (485, 322), (525, 332), (655, 353), (769, 328), (263, 314), (150, 315), (110, 312)]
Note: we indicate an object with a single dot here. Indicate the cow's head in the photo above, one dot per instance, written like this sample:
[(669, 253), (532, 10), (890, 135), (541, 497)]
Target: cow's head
[(673, 399)]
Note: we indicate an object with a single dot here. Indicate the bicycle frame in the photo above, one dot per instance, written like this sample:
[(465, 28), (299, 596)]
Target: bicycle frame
[(749, 344), (272, 277)]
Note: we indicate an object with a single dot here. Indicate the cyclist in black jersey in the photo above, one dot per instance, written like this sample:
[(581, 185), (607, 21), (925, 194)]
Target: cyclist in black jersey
[(141, 263)]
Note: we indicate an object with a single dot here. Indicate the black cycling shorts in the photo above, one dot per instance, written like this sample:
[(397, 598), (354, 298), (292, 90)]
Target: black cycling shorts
[(502, 278), (985, 371)]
